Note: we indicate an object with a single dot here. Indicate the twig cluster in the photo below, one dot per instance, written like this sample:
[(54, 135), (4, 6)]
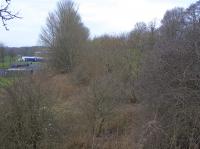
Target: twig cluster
[(6, 14)]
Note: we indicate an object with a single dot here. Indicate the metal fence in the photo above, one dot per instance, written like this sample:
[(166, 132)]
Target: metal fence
[(3, 72), (11, 73)]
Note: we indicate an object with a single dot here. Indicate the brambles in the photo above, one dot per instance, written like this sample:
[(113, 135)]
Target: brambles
[(27, 119)]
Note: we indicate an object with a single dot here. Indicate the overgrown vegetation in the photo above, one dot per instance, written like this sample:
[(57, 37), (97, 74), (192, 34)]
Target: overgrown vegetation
[(136, 90), (169, 82)]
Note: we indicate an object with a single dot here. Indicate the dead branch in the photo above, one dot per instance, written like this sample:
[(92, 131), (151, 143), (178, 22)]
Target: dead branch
[(6, 14)]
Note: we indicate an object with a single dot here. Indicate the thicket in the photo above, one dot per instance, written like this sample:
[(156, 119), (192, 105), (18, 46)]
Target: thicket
[(141, 86), (27, 120), (168, 82)]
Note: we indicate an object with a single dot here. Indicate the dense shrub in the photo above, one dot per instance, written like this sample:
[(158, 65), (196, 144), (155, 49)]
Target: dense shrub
[(27, 119)]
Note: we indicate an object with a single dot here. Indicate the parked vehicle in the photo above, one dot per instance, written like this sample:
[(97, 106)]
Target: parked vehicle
[(31, 59)]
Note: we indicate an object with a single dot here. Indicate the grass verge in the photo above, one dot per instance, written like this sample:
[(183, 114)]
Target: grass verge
[(5, 82)]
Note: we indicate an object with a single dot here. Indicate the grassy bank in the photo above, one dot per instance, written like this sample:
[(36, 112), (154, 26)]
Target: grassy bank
[(7, 62), (5, 82)]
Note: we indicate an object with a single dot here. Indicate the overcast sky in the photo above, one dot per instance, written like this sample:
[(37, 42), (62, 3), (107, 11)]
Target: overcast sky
[(100, 16)]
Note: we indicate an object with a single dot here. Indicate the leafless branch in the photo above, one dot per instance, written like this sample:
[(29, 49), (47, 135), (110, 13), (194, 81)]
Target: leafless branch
[(6, 14)]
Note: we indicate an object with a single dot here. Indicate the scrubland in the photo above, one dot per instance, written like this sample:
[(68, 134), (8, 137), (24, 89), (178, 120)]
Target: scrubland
[(137, 90)]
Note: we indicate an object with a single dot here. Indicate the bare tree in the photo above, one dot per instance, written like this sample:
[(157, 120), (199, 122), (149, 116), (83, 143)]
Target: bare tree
[(65, 35), (173, 23), (137, 36), (193, 26)]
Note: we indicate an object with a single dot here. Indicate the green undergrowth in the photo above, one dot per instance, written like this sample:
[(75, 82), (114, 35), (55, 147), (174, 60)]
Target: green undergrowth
[(5, 82), (7, 62)]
